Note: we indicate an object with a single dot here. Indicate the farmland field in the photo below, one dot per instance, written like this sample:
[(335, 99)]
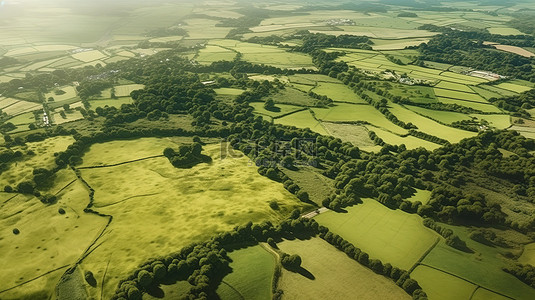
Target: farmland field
[(302, 119), (399, 238), (417, 111), (335, 275), (482, 267), (251, 265)]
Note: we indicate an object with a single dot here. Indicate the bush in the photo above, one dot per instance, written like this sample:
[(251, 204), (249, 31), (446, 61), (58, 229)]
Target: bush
[(145, 278), (16, 231), (303, 196), (274, 205), (61, 211)]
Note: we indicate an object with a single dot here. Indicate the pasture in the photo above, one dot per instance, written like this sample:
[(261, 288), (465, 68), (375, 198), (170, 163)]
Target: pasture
[(484, 107), (43, 158), (210, 53), (251, 276), (335, 276), (392, 236), (343, 112), (302, 119), (48, 241), (337, 92), (134, 194), (483, 267), (441, 286), (110, 102), (446, 117), (528, 255), (355, 134), (282, 109), (429, 126), (409, 141), (268, 55)]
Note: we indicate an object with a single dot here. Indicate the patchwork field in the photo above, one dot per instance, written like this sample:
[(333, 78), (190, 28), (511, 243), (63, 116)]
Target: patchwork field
[(392, 236), (483, 267), (409, 141), (334, 275), (268, 55), (215, 53), (302, 119), (110, 102), (131, 190)]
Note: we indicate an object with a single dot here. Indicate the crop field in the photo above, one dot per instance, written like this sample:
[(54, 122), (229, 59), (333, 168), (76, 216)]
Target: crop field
[(429, 126), (215, 53), (252, 273), (496, 89), (482, 267), (135, 189), (392, 236), (337, 92), (43, 158), (343, 112), (302, 119), (335, 276)]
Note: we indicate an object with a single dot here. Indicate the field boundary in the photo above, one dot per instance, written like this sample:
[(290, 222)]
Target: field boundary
[(35, 278), (419, 261), (121, 163)]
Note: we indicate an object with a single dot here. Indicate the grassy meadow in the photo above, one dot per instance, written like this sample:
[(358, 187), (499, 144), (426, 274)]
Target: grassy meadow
[(392, 236), (334, 275), (237, 194), (251, 276)]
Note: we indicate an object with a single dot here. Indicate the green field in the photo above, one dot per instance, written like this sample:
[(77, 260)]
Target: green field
[(337, 92), (528, 255), (302, 119), (513, 87), (475, 105), (355, 134), (446, 117), (269, 55), (421, 195), (335, 275), (110, 102), (136, 189), (252, 273), (294, 97), (228, 91), (214, 53), (429, 126), (442, 286), (483, 267), (409, 141), (392, 236), (343, 112), (48, 241), (282, 109)]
